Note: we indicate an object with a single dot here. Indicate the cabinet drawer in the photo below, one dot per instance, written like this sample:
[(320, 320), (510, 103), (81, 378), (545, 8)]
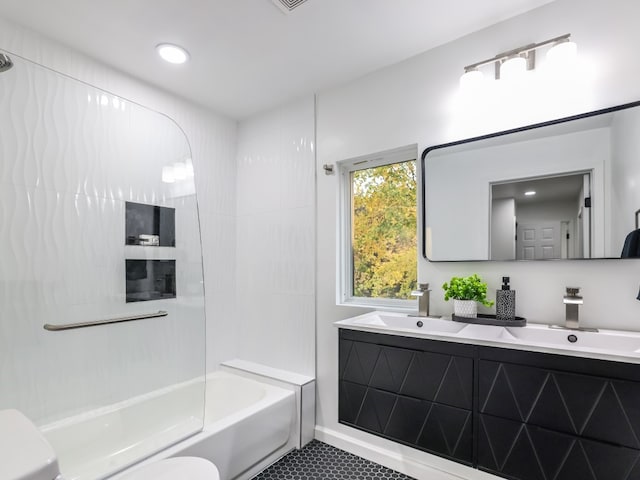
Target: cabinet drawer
[(441, 429), (589, 406), (526, 452), (427, 375)]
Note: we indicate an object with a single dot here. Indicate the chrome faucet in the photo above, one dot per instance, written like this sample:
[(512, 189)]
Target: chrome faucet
[(572, 301), (423, 299)]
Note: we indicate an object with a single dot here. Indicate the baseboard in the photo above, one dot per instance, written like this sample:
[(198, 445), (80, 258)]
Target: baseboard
[(402, 463)]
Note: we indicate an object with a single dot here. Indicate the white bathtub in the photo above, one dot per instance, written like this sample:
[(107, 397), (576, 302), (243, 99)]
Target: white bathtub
[(247, 423)]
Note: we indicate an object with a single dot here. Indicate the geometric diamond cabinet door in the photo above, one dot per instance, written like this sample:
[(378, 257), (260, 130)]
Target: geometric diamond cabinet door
[(358, 360), (524, 452), (441, 378), (593, 407), (419, 398)]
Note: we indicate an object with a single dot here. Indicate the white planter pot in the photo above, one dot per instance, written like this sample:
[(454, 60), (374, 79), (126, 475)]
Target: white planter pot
[(465, 308)]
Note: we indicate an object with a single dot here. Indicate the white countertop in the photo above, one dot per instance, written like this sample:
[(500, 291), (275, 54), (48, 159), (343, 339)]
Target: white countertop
[(613, 345)]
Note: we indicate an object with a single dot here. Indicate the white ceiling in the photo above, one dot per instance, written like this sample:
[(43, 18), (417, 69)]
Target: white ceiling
[(558, 188), (247, 55)]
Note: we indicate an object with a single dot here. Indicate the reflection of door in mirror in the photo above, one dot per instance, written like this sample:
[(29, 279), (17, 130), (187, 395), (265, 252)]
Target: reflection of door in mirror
[(538, 241), (541, 218)]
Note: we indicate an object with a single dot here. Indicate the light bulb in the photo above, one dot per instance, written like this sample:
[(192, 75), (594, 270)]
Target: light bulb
[(562, 53), (471, 80), (513, 68)]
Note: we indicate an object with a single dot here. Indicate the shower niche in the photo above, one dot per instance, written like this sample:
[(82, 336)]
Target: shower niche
[(150, 280), (154, 226), (150, 225)]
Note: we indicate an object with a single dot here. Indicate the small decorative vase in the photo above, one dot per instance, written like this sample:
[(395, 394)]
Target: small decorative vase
[(465, 308)]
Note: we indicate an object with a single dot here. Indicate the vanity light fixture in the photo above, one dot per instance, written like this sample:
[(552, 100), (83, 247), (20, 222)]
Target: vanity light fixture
[(530, 193), (515, 62), (172, 53)]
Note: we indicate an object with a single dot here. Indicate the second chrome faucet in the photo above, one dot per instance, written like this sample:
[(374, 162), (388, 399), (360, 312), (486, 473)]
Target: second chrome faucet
[(572, 301), (423, 299)]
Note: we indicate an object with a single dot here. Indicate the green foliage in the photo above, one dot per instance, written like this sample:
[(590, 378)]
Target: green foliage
[(384, 231), (467, 288)]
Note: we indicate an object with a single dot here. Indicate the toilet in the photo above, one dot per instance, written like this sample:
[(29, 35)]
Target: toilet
[(26, 455)]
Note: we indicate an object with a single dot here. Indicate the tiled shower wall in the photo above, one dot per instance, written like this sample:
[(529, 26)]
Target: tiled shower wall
[(213, 144), (256, 181), (71, 157), (276, 238)]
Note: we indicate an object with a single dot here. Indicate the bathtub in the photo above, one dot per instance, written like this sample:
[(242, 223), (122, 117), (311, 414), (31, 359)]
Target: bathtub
[(247, 425)]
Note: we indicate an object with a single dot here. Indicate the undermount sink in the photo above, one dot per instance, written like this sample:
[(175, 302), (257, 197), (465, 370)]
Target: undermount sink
[(404, 322), (603, 340)]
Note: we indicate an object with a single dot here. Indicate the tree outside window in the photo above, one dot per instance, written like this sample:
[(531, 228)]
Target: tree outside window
[(384, 231)]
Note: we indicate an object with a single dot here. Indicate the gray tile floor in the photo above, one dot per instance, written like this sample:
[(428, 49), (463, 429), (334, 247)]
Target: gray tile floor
[(319, 461)]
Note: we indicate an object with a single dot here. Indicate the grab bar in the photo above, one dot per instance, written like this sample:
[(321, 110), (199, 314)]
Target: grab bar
[(71, 326)]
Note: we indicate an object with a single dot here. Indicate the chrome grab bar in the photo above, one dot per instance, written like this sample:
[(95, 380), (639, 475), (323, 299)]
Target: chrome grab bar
[(71, 326)]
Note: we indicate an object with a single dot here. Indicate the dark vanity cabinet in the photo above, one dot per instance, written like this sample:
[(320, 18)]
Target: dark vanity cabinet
[(517, 414), (413, 391), (544, 416)]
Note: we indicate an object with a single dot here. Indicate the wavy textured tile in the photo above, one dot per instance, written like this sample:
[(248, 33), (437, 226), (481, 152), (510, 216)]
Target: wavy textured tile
[(70, 156)]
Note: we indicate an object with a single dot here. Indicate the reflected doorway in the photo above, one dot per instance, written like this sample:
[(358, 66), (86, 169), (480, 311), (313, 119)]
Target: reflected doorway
[(541, 218)]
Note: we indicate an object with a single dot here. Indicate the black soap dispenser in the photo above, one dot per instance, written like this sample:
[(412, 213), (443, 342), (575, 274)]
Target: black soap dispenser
[(505, 302)]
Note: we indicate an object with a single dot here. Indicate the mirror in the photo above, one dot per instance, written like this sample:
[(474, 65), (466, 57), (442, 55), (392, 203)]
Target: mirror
[(565, 189)]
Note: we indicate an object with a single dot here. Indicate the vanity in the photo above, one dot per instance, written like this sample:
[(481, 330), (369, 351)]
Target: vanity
[(525, 403)]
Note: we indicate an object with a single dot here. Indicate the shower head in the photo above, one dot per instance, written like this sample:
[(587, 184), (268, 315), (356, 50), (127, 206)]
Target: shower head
[(5, 62)]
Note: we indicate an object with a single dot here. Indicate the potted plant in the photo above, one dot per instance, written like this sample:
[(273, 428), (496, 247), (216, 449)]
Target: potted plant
[(466, 292)]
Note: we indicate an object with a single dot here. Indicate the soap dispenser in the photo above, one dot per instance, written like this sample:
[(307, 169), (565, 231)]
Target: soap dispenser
[(505, 302)]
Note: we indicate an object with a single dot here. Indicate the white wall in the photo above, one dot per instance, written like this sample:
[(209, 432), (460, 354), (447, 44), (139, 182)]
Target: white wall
[(213, 143), (503, 229), (412, 102), (625, 173), (276, 238)]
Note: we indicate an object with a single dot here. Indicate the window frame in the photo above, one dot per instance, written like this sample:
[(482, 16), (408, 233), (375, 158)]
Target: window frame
[(344, 267)]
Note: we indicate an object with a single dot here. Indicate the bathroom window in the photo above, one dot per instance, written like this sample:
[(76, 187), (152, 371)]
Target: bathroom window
[(379, 229)]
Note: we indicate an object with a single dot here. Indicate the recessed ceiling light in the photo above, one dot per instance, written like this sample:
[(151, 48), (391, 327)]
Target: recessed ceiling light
[(529, 193), (172, 53)]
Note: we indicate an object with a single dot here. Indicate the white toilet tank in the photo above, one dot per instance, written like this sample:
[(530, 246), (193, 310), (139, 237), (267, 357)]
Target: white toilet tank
[(24, 453)]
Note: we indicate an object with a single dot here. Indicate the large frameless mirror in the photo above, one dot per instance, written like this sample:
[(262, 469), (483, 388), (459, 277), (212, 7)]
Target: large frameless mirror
[(566, 189)]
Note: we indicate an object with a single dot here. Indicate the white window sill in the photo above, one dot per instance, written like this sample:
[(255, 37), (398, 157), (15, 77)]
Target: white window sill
[(386, 305)]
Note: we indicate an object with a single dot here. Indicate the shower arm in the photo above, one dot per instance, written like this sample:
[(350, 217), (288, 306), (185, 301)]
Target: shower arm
[(72, 326)]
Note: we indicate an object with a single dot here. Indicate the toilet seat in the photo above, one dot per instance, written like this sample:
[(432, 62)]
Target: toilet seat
[(176, 468)]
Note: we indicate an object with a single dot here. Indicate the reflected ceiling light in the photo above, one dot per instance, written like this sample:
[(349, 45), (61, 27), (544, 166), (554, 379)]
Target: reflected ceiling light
[(519, 60), (530, 193), (179, 171), (188, 163), (172, 53), (168, 175)]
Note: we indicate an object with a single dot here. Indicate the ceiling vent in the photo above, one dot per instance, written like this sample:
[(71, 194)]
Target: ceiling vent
[(287, 6)]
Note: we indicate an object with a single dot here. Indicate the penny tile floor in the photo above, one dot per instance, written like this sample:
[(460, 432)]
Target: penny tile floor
[(319, 461)]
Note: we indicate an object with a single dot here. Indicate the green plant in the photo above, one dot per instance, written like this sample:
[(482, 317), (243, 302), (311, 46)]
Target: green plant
[(467, 288)]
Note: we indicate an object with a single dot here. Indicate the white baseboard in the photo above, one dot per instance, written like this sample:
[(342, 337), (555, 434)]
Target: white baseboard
[(439, 469)]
